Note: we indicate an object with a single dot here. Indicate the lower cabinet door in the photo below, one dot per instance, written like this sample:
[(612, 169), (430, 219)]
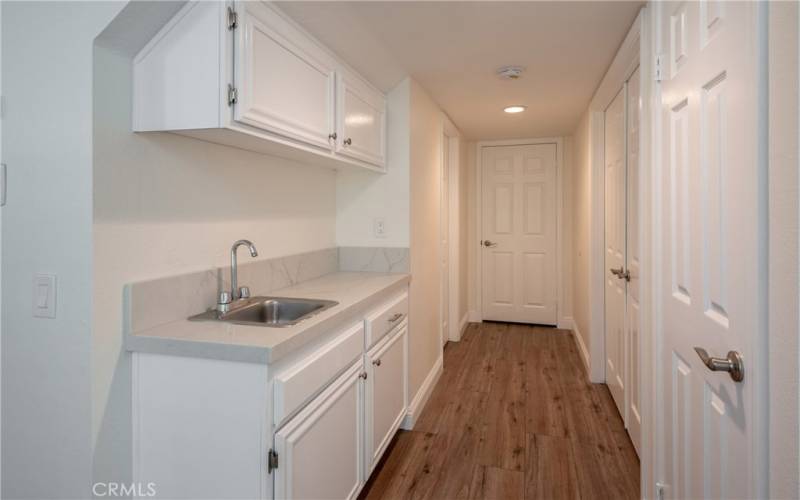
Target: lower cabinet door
[(386, 393), (320, 449)]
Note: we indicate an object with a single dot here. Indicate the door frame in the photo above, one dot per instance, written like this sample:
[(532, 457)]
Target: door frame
[(451, 138), (562, 322)]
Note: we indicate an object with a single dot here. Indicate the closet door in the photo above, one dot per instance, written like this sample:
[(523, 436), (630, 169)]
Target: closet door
[(633, 265), (615, 249)]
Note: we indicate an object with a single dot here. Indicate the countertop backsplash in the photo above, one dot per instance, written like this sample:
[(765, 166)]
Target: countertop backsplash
[(156, 302)]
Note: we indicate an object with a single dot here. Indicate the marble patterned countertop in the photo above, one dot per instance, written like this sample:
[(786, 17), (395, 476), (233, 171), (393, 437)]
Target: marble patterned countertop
[(354, 291)]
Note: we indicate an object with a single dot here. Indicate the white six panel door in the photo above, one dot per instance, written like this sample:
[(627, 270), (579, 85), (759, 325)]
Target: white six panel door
[(711, 237), (519, 233), (615, 249)]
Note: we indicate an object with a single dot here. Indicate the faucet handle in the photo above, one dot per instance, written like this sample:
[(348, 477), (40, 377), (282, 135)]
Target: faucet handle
[(224, 298), (244, 292)]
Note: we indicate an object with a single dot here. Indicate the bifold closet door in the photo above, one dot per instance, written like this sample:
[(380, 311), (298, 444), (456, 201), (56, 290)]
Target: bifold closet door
[(615, 248), (633, 263)]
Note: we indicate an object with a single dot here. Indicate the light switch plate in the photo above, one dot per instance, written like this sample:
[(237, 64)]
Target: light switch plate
[(379, 227), (44, 296)]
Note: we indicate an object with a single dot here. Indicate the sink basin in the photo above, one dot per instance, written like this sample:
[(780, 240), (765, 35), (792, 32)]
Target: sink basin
[(268, 311)]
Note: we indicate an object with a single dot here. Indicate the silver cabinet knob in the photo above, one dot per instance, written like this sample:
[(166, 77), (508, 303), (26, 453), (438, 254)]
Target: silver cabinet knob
[(377, 362), (363, 375), (333, 136), (489, 243), (348, 141), (733, 364)]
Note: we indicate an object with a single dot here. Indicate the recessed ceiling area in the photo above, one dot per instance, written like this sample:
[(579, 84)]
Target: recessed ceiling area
[(454, 49)]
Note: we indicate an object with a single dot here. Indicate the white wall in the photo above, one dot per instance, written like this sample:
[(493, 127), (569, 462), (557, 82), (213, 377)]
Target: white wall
[(581, 229), (463, 224), (425, 164), (361, 197), (165, 205), (784, 241), (47, 227)]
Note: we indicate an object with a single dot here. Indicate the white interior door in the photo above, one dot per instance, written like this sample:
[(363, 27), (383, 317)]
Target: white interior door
[(519, 234), (711, 290), (615, 249), (444, 235), (633, 419)]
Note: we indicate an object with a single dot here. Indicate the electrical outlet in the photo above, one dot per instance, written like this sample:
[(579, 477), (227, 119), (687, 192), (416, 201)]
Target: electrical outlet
[(379, 228)]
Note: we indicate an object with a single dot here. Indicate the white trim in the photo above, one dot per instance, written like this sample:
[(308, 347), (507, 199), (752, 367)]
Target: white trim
[(423, 394), (463, 325), (581, 345), (565, 323), (560, 261), (475, 316)]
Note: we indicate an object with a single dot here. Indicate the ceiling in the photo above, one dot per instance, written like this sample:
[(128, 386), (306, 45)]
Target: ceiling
[(454, 48)]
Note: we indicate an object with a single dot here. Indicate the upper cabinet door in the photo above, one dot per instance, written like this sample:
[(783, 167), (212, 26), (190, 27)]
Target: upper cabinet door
[(285, 83), (361, 127)]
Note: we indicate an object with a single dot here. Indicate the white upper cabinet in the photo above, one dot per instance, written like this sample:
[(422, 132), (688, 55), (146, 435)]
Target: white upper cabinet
[(361, 127), (284, 85), (245, 75)]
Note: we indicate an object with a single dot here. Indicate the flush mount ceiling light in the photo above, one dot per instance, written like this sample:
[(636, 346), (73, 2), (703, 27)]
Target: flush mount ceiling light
[(510, 72), (515, 109)]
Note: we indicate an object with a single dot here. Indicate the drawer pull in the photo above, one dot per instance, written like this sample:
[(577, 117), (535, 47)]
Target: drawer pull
[(377, 362), (395, 317)]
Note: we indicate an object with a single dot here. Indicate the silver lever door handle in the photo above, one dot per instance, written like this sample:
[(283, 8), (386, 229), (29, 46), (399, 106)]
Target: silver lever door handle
[(619, 273), (733, 364), (489, 243)]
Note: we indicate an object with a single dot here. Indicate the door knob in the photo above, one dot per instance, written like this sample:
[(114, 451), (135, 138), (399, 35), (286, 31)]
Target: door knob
[(619, 273), (733, 364), (488, 243)]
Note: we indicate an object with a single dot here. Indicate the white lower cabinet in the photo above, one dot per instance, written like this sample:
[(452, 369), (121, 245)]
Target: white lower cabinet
[(320, 449), (385, 393)]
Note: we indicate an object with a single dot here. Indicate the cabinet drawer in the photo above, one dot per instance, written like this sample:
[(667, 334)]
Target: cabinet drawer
[(301, 381), (387, 316)]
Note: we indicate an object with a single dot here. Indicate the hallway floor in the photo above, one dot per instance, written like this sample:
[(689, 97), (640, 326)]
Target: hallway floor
[(513, 416)]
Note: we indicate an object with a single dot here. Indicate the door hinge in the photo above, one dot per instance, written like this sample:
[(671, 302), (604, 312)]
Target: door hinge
[(272, 461), (233, 19), (660, 490), (658, 68), (3, 184), (233, 95)]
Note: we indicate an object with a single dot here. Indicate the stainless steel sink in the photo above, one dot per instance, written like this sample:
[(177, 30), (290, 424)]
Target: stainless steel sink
[(268, 311)]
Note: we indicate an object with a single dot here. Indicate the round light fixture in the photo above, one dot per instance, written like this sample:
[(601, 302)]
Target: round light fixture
[(515, 109)]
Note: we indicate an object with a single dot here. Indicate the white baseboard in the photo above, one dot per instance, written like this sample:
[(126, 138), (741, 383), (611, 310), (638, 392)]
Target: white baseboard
[(565, 323), (463, 325), (475, 317), (424, 392), (581, 346)]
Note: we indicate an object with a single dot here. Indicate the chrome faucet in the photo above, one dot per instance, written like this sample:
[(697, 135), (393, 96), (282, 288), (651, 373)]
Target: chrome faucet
[(236, 292)]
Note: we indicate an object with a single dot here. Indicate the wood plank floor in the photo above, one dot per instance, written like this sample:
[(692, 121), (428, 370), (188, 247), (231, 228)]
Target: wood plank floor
[(513, 416)]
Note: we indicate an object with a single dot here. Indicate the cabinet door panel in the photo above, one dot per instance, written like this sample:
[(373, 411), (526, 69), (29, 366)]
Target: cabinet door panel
[(361, 128), (284, 85), (386, 393), (319, 450)]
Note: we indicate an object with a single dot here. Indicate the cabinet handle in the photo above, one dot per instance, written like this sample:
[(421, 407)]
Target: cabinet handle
[(348, 141), (363, 375), (377, 362), (395, 317), (332, 136)]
